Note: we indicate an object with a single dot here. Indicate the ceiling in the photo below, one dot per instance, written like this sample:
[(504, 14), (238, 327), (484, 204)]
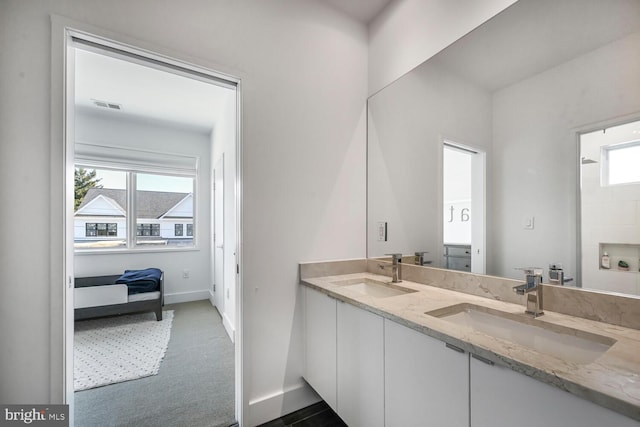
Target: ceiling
[(360, 10), (142, 91), (530, 37), (104, 80)]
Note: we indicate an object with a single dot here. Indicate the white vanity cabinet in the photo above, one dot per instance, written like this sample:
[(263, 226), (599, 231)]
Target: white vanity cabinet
[(501, 397), (320, 344), (426, 382), (374, 372), (360, 367)]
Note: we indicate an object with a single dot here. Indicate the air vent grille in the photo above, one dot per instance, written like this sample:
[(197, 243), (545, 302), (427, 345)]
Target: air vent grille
[(105, 104)]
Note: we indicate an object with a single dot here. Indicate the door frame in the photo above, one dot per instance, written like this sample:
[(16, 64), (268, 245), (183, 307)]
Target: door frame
[(577, 133), (61, 193), (478, 208)]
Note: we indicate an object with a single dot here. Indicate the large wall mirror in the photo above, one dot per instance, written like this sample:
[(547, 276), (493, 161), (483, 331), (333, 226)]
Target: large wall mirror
[(521, 95)]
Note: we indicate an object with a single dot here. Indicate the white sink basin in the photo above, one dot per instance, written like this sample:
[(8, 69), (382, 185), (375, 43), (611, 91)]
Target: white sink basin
[(565, 343), (372, 288)]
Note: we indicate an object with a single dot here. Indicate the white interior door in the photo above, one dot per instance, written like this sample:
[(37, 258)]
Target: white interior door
[(218, 235)]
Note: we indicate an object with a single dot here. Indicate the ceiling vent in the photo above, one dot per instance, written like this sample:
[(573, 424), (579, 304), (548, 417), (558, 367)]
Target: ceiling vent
[(105, 104)]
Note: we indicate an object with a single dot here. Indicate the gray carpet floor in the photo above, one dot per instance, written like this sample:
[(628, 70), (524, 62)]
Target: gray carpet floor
[(195, 385)]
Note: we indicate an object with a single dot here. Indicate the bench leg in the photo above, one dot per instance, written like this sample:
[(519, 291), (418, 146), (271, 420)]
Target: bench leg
[(159, 314)]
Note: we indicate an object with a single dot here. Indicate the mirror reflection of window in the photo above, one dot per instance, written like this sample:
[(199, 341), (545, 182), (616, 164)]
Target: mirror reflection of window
[(623, 163)]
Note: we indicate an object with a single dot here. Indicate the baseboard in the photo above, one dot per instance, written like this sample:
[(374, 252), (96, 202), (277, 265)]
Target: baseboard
[(231, 331), (271, 407), (211, 300), (179, 297)]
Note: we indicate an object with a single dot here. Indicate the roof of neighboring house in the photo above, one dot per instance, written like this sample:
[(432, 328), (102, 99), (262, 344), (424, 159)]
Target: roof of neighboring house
[(150, 204)]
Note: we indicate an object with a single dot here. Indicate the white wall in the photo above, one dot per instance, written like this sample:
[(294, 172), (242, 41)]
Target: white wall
[(304, 69), (535, 125), (408, 32), (113, 130), (405, 185)]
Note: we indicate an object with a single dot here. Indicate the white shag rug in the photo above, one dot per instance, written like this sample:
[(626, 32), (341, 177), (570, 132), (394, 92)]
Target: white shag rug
[(116, 349)]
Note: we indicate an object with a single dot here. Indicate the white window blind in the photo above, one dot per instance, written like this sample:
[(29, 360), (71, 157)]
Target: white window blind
[(103, 156)]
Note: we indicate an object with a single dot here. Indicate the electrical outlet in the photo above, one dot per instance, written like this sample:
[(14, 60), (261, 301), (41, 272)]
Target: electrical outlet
[(185, 274)]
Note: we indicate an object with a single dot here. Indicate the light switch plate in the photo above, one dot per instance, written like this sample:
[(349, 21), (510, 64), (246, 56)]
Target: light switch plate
[(382, 231), (528, 222)]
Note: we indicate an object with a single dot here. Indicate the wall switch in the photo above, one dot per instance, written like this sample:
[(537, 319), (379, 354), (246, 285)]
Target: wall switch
[(185, 274), (528, 222), (382, 231)]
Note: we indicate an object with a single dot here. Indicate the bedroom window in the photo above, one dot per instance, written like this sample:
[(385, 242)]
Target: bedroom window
[(144, 210), (166, 199)]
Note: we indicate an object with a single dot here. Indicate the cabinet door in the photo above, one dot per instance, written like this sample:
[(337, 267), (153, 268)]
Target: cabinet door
[(501, 397), (426, 383), (320, 344), (360, 367)]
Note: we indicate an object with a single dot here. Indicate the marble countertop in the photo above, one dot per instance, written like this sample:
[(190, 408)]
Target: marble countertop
[(612, 380)]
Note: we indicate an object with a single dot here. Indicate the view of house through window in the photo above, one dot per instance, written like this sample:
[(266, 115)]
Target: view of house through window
[(165, 203), (161, 213)]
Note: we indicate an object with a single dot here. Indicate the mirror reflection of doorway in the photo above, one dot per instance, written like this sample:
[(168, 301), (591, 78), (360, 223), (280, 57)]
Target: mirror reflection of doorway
[(610, 208), (463, 192)]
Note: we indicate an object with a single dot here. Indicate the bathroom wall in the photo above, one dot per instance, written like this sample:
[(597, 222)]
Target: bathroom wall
[(535, 152), (408, 32), (303, 67)]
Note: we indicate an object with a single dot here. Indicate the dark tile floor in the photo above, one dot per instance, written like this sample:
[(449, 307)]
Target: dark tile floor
[(317, 415)]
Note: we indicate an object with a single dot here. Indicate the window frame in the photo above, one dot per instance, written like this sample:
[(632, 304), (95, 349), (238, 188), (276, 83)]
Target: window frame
[(131, 211)]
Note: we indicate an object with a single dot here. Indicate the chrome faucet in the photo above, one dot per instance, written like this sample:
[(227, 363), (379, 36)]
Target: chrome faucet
[(556, 275), (419, 259), (532, 288), (396, 268)]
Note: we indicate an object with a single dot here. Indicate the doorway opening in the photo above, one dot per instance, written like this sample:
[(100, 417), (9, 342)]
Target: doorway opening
[(609, 194), (143, 133), (463, 196)]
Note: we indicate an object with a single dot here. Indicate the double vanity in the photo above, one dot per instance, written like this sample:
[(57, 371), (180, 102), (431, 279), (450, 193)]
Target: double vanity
[(448, 348)]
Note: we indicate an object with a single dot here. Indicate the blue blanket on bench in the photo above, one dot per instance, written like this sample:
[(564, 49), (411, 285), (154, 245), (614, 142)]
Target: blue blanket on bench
[(139, 281)]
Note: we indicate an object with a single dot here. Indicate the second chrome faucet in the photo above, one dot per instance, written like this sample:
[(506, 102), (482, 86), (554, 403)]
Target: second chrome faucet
[(532, 288), (396, 267)]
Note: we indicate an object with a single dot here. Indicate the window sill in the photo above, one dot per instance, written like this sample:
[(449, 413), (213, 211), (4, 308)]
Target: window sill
[(83, 252)]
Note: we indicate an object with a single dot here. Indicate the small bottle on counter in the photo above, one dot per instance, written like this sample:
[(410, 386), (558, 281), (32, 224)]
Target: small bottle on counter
[(605, 262)]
